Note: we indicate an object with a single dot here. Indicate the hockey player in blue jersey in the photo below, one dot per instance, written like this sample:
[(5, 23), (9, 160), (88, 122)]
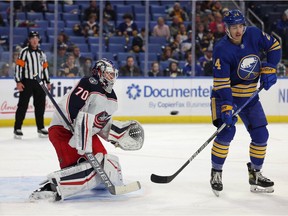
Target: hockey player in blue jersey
[(237, 69)]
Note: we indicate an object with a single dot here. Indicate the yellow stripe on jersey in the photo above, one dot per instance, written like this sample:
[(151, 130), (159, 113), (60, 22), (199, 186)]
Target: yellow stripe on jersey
[(275, 46), (244, 90), (213, 108), (220, 83)]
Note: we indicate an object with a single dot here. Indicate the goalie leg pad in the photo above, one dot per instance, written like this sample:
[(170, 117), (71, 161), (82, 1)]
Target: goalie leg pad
[(113, 169), (75, 179)]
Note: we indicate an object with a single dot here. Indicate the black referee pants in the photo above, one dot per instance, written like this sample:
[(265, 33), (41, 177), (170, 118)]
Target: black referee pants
[(31, 88)]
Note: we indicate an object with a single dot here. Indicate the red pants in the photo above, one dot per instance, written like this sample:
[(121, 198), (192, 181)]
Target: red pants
[(68, 156)]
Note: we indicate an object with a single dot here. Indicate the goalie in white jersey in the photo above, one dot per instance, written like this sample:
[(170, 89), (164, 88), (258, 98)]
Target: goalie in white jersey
[(89, 107)]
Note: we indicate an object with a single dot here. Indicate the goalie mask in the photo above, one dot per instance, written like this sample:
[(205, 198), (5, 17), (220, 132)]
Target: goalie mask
[(105, 70)]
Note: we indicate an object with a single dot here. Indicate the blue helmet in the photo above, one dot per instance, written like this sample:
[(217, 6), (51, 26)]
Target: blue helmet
[(233, 17)]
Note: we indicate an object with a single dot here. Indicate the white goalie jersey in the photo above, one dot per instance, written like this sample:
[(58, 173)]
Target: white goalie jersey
[(88, 97)]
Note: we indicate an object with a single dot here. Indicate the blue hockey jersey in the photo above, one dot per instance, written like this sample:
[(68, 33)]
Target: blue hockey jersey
[(236, 68)]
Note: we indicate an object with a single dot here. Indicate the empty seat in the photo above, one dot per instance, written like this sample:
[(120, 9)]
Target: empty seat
[(77, 39), (116, 48), (123, 8), (51, 7), (108, 55), (117, 40), (69, 16), (161, 9), (60, 23), (71, 8), (83, 47), (94, 48), (34, 16), (46, 47), (42, 24), (122, 56), (157, 40)]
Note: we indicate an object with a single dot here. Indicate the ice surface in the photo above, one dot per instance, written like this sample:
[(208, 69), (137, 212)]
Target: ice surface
[(25, 163)]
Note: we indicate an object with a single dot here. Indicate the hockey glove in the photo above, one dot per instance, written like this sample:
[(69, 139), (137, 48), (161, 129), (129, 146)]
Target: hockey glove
[(227, 115), (268, 75)]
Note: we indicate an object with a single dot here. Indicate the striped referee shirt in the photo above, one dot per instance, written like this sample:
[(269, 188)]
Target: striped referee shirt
[(30, 63)]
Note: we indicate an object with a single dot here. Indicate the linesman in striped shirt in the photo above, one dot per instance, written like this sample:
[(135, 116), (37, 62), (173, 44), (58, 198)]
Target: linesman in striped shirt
[(30, 62)]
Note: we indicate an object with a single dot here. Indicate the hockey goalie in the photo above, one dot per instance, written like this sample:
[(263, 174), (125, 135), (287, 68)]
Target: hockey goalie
[(88, 107)]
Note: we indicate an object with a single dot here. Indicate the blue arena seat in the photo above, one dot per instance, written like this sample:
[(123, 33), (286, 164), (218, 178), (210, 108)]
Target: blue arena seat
[(34, 16)]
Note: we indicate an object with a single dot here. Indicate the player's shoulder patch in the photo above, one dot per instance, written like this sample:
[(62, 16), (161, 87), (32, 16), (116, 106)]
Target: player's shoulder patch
[(93, 81)]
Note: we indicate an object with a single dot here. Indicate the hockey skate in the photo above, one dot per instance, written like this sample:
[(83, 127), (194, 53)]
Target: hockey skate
[(258, 182), (47, 192), (43, 133), (216, 181), (18, 134)]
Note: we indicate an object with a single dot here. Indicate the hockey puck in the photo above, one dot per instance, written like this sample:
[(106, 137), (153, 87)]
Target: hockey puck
[(174, 112)]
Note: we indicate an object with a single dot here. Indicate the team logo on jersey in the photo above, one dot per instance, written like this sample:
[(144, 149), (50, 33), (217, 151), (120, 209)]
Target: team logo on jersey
[(249, 67), (93, 81), (101, 119)]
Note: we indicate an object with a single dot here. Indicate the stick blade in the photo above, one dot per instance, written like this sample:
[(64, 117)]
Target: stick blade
[(123, 189), (161, 179)]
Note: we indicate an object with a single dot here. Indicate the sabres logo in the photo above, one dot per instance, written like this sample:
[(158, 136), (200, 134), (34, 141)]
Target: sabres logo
[(93, 81), (249, 67)]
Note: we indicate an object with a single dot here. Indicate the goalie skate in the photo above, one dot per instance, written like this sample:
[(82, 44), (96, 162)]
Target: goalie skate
[(47, 192), (258, 182), (216, 181)]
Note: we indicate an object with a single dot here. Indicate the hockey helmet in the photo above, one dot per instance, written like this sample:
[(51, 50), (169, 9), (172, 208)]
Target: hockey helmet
[(233, 17), (106, 72), (33, 34)]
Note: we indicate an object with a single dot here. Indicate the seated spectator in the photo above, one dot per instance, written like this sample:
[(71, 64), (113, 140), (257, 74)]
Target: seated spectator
[(109, 12), (188, 70), (167, 54), (174, 26), (182, 32), (161, 29), (61, 55), (138, 42), (282, 30), (155, 70), (128, 27), (173, 70), (79, 59), (86, 68), (108, 27), (92, 9), (63, 39), (218, 20), (5, 71), (36, 6), (281, 70), (69, 69), (216, 6), (176, 47), (129, 69), (206, 61), (219, 33), (90, 27), (179, 12)]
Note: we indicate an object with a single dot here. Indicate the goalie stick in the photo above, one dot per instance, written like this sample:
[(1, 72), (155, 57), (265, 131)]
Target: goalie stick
[(166, 179), (113, 189)]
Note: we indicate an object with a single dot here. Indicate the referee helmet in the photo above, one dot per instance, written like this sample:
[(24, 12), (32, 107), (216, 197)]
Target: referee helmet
[(34, 34)]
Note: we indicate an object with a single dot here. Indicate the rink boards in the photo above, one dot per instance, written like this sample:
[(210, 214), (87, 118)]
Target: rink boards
[(149, 100)]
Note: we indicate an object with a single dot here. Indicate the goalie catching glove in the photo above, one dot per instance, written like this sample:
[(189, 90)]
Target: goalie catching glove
[(128, 135)]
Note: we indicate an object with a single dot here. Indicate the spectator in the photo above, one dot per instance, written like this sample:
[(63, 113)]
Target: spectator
[(129, 69), (86, 69), (176, 47), (138, 42), (92, 9), (201, 34), (69, 69), (186, 45), (5, 71), (219, 33), (36, 6), (282, 30), (108, 27), (109, 12), (179, 12), (182, 32), (155, 70), (90, 27), (62, 39), (173, 70), (216, 6), (62, 55), (167, 54), (188, 70), (281, 70), (128, 27), (161, 29), (206, 61), (175, 26), (217, 21), (79, 59)]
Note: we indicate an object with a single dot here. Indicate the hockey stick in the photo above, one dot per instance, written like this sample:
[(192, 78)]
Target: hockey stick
[(113, 189), (166, 179)]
